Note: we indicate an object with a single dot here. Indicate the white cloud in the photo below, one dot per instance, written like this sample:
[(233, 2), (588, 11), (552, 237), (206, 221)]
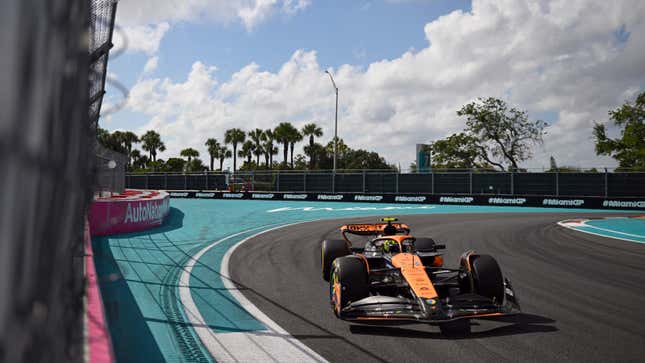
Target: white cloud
[(151, 65), (559, 56), (143, 38), (144, 22)]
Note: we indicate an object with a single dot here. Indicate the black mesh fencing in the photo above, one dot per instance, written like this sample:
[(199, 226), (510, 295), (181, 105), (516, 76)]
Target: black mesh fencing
[(371, 182), (48, 76)]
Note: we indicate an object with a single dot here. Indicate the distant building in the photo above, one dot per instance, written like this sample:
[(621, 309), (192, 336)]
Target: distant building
[(424, 158)]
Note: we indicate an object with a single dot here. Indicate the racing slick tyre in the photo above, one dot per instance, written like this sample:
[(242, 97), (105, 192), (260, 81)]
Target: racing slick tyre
[(332, 249), (487, 278), (456, 328), (349, 282)]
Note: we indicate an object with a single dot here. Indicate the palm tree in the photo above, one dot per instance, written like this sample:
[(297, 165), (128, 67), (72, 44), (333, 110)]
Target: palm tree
[(283, 133), (269, 148), (312, 130), (257, 136), (151, 142), (234, 137), (247, 151), (135, 155), (189, 153), (223, 153), (213, 148), (294, 137)]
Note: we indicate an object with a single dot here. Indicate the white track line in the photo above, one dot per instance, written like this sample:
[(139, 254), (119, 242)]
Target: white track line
[(582, 224), (276, 345)]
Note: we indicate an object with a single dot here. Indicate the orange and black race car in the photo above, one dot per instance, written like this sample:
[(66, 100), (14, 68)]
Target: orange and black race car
[(400, 278)]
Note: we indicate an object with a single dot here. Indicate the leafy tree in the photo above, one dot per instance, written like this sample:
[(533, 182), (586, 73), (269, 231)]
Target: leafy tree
[(234, 137), (127, 139), (363, 159), (111, 141), (174, 165), (294, 137), (151, 142), (311, 130), (247, 151), (629, 148), (189, 153), (196, 164), (139, 161), (283, 133), (504, 132), (457, 151), (257, 136), (213, 147), (413, 167), (223, 153), (269, 148)]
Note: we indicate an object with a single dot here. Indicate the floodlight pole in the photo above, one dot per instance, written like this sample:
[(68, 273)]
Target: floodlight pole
[(335, 130)]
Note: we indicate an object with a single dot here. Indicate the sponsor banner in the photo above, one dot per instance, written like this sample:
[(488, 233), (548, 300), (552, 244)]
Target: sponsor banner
[(506, 201), (457, 200), (331, 197), (623, 204), (263, 196), (411, 199), (301, 196), (209, 195), (368, 198), (525, 201), (123, 216), (551, 202), (182, 194)]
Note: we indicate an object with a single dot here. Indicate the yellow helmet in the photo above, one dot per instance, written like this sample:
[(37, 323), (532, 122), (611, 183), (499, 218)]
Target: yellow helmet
[(390, 246)]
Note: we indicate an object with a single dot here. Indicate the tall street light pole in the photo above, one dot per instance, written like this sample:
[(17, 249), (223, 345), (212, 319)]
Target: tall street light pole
[(335, 129)]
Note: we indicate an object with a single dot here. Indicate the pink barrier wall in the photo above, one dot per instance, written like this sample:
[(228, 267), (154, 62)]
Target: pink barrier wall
[(99, 344), (114, 215)]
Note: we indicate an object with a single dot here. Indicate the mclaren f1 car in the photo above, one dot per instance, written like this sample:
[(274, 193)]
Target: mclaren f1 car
[(397, 277)]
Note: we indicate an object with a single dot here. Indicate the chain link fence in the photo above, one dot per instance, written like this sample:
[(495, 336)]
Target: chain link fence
[(53, 74), (599, 184)]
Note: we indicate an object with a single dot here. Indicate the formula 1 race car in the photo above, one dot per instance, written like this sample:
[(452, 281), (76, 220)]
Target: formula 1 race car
[(396, 277)]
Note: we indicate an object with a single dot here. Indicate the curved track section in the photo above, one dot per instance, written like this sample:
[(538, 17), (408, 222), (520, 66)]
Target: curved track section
[(582, 296)]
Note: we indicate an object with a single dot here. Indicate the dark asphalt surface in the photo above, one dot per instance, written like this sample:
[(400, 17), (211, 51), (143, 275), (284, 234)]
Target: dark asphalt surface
[(582, 296)]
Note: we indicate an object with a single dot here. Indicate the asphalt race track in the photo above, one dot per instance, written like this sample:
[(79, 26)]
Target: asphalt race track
[(582, 296)]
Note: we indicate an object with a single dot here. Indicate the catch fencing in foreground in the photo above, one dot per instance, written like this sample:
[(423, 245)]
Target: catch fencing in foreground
[(557, 184)]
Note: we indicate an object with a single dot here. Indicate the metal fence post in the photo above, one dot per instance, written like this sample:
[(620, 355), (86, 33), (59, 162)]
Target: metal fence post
[(206, 181), (363, 180), (557, 183), (512, 183), (165, 181), (470, 182), (432, 183), (304, 181), (397, 182), (185, 182), (333, 182), (606, 184), (147, 182), (278, 180)]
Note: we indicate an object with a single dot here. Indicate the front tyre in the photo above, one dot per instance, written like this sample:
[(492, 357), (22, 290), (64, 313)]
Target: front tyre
[(487, 278), (349, 282), (331, 249)]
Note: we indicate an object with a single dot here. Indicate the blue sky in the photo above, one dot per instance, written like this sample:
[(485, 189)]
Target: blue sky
[(341, 32), (403, 68)]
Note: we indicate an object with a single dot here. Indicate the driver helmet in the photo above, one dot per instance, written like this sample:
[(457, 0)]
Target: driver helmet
[(390, 246)]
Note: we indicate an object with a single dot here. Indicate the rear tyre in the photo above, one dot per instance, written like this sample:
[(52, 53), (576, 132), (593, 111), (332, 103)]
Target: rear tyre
[(349, 282), (456, 328), (331, 249), (487, 278)]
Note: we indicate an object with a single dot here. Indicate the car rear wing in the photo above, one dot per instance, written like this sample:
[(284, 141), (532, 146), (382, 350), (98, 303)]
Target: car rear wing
[(371, 229)]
